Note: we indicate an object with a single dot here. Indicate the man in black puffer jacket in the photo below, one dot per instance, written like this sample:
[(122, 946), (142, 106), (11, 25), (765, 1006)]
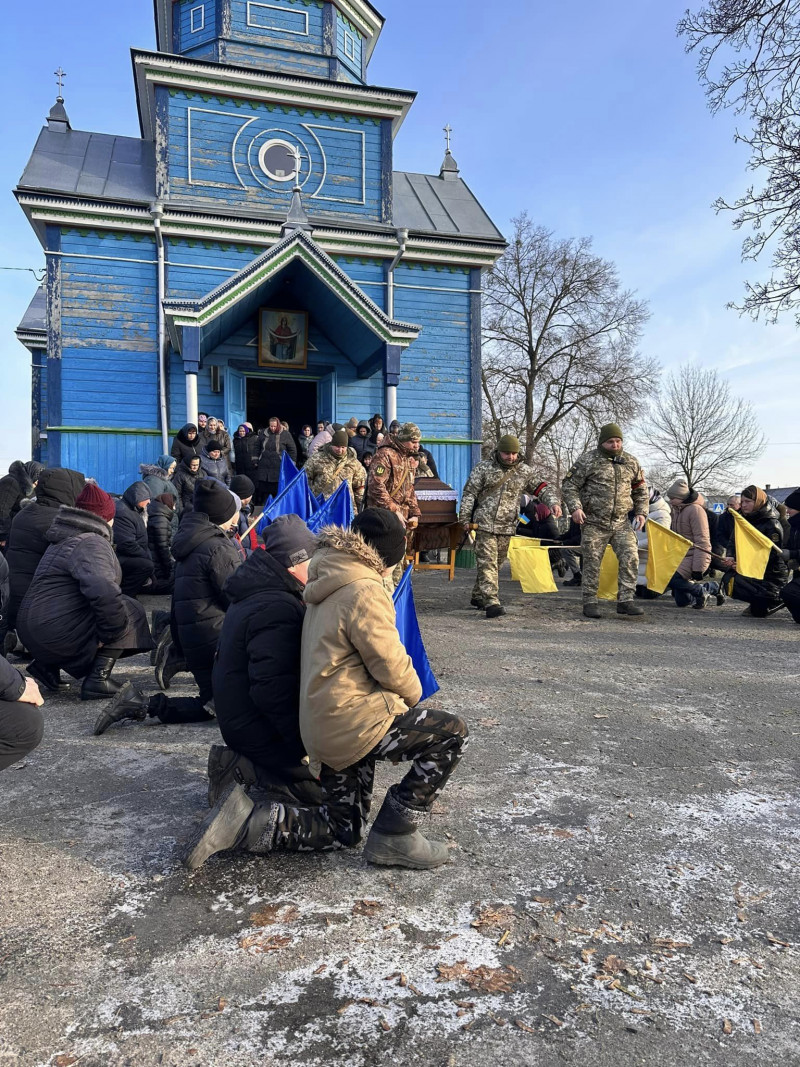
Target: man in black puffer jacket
[(257, 671), (130, 540), (162, 525), (21, 722), (27, 542), (205, 557)]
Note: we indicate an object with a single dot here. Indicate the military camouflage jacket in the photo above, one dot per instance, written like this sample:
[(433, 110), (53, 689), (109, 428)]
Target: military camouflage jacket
[(326, 472), (491, 495), (606, 487), (391, 482)]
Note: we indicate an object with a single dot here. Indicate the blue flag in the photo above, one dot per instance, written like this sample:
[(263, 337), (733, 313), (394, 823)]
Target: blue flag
[(296, 499), (408, 628), (288, 472), (336, 511)]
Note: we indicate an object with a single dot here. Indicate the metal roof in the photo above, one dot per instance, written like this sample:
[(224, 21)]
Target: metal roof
[(35, 317), (428, 204), (781, 493), (97, 165), (100, 166)]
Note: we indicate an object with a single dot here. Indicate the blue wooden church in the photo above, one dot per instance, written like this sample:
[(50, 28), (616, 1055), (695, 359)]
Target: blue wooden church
[(254, 252)]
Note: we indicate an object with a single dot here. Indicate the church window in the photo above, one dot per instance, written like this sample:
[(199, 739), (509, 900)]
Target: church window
[(277, 19), (349, 45), (278, 161), (197, 19)]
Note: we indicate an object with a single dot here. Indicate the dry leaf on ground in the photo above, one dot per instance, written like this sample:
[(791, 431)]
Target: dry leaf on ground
[(260, 943), (367, 907), (65, 1060), (275, 913), (490, 917), (483, 979)]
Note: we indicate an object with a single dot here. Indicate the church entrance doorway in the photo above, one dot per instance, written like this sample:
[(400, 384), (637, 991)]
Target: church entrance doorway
[(292, 400)]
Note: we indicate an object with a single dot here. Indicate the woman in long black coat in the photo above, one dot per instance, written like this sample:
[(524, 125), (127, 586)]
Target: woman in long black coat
[(27, 542), (187, 442), (75, 616), (247, 449), (763, 594), (162, 525)]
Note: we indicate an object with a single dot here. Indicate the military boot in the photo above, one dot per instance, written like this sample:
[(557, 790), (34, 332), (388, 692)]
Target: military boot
[(49, 677), (225, 768), (235, 822), (169, 661), (591, 609), (395, 841), (98, 683), (576, 579), (9, 642), (494, 611), (475, 603), (129, 703), (629, 607)]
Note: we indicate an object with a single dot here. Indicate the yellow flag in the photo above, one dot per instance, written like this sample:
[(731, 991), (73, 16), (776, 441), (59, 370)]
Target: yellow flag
[(609, 576), (666, 551), (530, 565), (752, 548)]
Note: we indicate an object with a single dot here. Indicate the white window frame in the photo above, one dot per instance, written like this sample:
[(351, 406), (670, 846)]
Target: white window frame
[(349, 39), (192, 12), (276, 29), (262, 153)]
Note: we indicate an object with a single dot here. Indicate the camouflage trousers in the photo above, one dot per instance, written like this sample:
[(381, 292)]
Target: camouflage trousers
[(432, 741), (491, 551), (622, 539)]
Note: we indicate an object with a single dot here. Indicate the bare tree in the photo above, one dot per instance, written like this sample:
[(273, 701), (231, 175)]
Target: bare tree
[(560, 338), (698, 428), (749, 60)]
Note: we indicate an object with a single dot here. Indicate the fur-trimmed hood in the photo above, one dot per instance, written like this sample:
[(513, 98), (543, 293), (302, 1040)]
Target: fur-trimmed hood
[(70, 522), (152, 470), (342, 557)]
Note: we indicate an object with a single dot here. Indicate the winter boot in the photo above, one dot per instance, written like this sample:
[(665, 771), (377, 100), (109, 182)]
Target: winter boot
[(9, 642), (591, 609), (395, 841), (49, 677), (159, 622), (98, 683), (475, 603), (700, 601), (494, 611), (225, 768), (715, 589), (235, 822), (168, 661), (576, 579), (128, 703), (629, 607)]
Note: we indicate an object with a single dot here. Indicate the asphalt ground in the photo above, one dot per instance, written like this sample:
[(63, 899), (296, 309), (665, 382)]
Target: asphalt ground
[(622, 888)]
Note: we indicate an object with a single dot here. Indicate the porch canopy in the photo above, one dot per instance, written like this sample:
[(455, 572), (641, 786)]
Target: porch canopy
[(295, 272)]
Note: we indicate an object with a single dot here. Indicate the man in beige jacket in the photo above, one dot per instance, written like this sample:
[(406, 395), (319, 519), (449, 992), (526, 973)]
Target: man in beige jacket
[(358, 704)]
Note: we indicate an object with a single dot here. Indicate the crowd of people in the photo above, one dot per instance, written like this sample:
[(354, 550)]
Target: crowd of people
[(290, 639)]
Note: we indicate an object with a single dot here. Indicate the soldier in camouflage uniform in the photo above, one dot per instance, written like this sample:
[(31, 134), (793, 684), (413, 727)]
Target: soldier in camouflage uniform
[(391, 480), (333, 464), (600, 491), (490, 502)]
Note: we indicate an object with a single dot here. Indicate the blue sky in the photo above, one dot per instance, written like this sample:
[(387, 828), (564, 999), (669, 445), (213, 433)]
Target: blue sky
[(587, 115)]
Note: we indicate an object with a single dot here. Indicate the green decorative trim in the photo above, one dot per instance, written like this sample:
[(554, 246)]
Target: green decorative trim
[(129, 430)]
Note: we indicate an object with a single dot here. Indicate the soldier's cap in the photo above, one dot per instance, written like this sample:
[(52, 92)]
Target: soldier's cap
[(611, 429), (409, 431), (509, 443), (340, 438), (289, 541)]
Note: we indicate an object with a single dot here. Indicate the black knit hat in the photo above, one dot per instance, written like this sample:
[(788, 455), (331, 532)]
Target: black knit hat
[(793, 500), (242, 486), (213, 445), (213, 499), (289, 541), (340, 439), (384, 532)]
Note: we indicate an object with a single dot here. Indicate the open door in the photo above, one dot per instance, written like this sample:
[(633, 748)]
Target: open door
[(326, 398), (236, 399)]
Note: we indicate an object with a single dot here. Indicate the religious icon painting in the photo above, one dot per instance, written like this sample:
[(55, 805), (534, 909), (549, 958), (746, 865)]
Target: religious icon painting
[(282, 338)]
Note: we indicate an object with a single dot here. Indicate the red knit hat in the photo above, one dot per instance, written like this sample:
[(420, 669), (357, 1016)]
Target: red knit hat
[(96, 500)]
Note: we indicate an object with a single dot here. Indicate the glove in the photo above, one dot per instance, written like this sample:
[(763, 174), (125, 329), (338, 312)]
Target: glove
[(697, 576), (786, 553)]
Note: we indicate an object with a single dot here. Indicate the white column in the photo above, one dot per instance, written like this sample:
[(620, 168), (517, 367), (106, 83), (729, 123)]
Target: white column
[(391, 404), (191, 398)]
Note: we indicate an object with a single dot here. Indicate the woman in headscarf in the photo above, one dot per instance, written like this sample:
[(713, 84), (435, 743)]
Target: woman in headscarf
[(246, 450), (762, 594), (187, 443)]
